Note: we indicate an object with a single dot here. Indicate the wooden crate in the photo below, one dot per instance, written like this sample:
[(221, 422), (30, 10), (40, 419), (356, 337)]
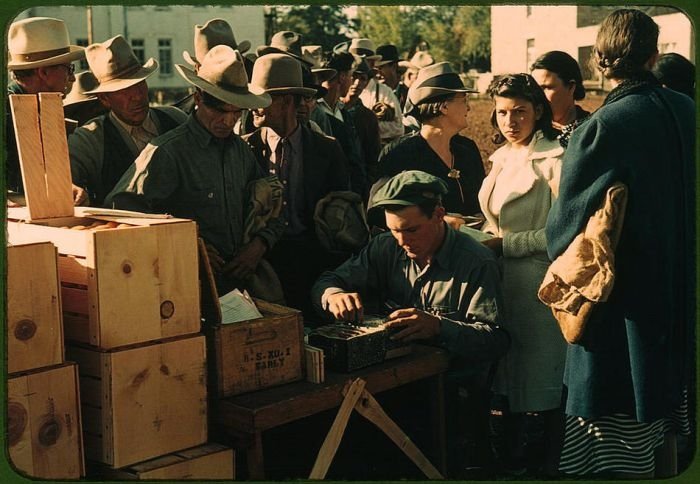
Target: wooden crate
[(256, 354), (124, 285), (208, 461), (43, 423), (34, 326), (142, 401)]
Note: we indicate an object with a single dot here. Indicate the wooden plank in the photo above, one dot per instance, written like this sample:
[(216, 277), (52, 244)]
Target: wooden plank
[(157, 395), (178, 283), (75, 300), (73, 270), (44, 422), (25, 118), (56, 161), (271, 407), (127, 287), (89, 361), (335, 434), (204, 462), (67, 241), (76, 327), (34, 327), (372, 411)]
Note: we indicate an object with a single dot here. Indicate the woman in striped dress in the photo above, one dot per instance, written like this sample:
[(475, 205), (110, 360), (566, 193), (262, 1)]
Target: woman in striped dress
[(626, 378)]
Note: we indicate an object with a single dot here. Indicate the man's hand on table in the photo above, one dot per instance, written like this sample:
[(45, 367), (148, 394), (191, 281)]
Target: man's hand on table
[(413, 324), (346, 306)]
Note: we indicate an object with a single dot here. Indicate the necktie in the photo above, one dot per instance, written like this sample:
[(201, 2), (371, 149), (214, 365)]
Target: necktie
[(140, 136)]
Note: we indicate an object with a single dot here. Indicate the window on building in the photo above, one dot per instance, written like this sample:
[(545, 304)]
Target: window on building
[(139, 48), (165, 57), (530, 53), (668, 47), (584, 63), (82, 63), (528, 11)]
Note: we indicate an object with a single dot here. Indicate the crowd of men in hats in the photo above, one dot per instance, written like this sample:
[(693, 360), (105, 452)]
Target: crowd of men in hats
[(282, 155)]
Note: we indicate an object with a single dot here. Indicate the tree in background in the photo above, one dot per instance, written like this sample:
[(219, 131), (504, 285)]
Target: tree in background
[(325, 25), (459, 34)]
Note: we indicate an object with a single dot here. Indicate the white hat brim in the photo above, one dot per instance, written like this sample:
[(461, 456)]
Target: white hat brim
[(251, 98), (117, 84), (74, 53)]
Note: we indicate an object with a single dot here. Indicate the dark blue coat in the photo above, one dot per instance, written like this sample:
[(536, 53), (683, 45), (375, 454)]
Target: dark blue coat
[(636, 351)]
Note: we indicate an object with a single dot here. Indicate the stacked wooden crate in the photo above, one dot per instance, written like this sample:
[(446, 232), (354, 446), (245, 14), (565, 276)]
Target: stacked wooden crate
[(131, 308), (43, 410)]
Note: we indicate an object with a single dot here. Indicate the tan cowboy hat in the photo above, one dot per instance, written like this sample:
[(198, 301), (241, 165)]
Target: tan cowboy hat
[(115, 65), (222, 74), (214, 32), (84, 81), (419, 60), (40, 42), (433, 81), (284, 42), (279, 74), (364, 48), (314, 55)]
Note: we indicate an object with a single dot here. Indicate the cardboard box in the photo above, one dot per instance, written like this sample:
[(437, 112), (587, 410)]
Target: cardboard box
[(255, 354), (120, 286), (34, 326), (142, 401), (208, 461), (43, 423)]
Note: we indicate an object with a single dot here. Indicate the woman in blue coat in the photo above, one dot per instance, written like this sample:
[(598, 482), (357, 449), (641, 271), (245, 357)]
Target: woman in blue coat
[(627, 376)]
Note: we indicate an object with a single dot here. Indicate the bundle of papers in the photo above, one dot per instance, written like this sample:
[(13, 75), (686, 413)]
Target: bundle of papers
[(237, 306), (315, 372)]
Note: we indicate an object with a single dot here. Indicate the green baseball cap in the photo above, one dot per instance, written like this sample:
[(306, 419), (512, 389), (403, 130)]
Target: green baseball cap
[(410, 187)]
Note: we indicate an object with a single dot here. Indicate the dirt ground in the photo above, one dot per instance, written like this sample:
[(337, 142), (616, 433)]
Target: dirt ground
[(480, 129)]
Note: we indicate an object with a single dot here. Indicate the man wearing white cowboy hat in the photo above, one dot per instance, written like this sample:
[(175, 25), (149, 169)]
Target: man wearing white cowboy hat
[(40, 59), (102, 149), (200, 170), (379, 97), (214, 32), (310, 166)]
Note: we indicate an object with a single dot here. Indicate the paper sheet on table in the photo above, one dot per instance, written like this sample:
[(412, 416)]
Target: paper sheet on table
[(238, 306)]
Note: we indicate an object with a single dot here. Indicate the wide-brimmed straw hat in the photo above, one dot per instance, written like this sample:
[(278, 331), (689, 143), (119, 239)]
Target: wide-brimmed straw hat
[(84, 81), (364, 48), (215, 32), (222, 75), (389, 54), (314, 55), (115, 65), (279, 74), (40, 42), (285, 42), (435, 80), (419, 60)]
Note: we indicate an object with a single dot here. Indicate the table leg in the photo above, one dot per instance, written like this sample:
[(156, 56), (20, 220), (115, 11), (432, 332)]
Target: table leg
[(437, 409), (254, 457)]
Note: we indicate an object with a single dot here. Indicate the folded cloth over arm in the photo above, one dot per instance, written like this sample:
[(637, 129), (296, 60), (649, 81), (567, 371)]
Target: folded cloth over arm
[(584, 274)]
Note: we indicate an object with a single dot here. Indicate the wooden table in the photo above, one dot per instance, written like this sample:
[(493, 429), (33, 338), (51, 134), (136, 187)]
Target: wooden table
[(245, 417)]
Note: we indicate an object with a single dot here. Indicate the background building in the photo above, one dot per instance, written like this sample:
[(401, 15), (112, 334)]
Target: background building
[(519, 34), (161, 32)]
